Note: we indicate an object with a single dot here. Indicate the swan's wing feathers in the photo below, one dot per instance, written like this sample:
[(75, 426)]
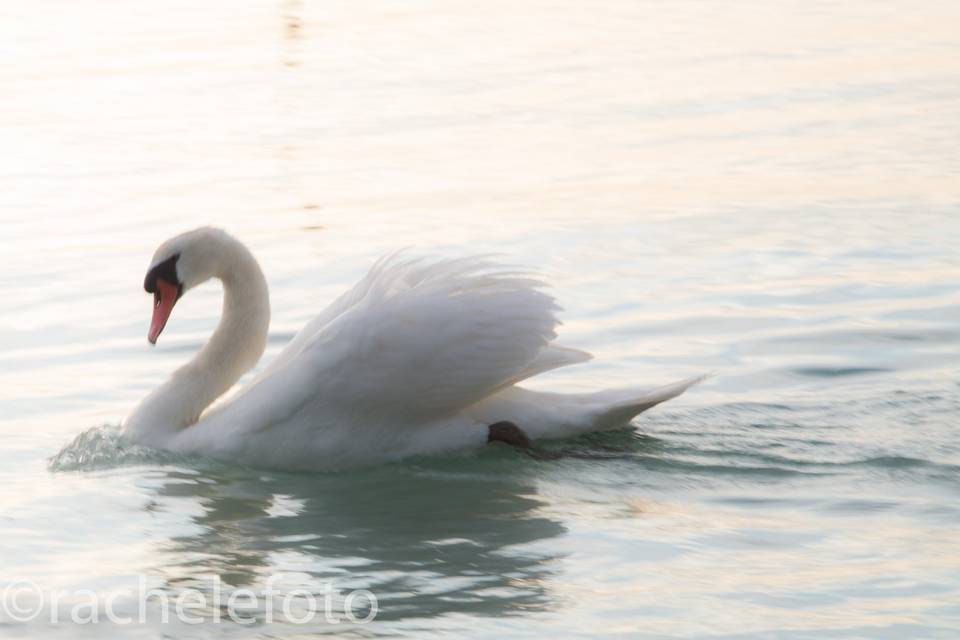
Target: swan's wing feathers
[(428, 338), (553, 356), (343, 303)]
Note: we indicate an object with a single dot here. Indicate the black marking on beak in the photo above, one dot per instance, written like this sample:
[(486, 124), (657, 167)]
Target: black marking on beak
[(166, 271)]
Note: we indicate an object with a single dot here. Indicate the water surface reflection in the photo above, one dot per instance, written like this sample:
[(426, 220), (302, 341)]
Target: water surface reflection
[(426, 539)]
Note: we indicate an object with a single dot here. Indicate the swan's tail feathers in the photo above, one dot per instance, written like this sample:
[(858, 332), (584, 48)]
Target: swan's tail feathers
[(618, 407)]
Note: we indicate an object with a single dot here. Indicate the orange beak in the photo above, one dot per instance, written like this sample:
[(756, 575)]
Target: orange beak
[(164, 298)]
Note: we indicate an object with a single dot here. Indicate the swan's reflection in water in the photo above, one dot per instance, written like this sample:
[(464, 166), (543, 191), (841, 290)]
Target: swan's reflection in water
[(426, 540)]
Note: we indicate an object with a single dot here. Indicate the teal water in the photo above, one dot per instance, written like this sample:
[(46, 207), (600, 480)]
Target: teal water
[(765, 192)]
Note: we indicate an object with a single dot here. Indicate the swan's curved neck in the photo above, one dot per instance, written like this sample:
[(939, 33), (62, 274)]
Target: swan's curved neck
[(234, 348)]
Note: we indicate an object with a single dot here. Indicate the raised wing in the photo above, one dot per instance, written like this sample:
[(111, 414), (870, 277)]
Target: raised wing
[(426, 339)]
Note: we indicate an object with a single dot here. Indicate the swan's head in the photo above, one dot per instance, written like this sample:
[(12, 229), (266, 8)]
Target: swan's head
[(181, 263)]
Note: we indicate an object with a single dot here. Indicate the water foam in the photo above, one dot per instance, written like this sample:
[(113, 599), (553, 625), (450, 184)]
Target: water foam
[(104, 447)]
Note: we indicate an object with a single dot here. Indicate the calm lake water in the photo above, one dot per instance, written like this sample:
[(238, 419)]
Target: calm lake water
[(766, 191)]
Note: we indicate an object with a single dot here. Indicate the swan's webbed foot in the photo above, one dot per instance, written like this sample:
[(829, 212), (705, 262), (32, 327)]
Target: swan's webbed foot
[(509, 433)]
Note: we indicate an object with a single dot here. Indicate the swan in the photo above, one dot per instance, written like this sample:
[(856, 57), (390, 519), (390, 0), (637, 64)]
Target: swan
[(421, 357)]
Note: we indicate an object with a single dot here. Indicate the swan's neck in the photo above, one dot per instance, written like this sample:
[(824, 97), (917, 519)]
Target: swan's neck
[(234, 348)]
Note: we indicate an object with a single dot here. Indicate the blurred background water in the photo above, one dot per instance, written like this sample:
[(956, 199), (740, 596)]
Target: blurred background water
[(768, 191)]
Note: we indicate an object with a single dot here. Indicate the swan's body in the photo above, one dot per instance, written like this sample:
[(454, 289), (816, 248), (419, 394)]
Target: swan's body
[(420, 357)]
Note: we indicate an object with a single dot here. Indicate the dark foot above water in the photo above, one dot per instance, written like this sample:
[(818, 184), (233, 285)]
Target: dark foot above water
[(509, 433)]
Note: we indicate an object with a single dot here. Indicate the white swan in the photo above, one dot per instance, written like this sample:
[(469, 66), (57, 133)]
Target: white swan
[(420, 357)]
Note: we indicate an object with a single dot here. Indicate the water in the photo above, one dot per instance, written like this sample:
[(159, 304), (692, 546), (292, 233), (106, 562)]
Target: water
[(766, 191)]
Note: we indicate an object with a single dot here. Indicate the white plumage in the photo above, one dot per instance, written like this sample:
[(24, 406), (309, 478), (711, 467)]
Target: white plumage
[(417, 358)]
